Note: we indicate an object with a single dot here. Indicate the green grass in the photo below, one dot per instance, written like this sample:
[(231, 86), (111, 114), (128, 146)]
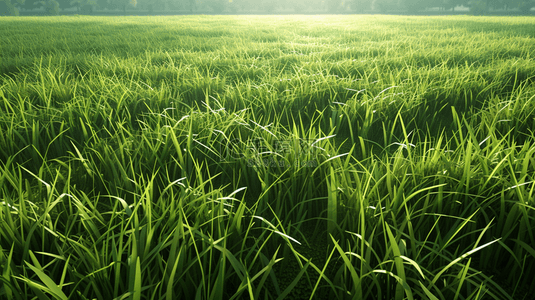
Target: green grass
[(264, 157)]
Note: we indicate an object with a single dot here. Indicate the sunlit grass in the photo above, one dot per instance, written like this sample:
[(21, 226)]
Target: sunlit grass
[(307, 157)]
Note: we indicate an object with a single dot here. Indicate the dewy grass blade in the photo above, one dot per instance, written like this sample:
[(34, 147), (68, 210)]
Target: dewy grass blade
[(6, 273), (236, 265), (453, 262), (137, 281), (265, 272), (332, 205), (461, 277), (428, 293), (526, 247), (274, 229), (53, 288), (357, 287), (174, 258), (402, 287)]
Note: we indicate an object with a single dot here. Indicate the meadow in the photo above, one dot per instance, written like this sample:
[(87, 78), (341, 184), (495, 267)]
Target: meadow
[(267, 157)]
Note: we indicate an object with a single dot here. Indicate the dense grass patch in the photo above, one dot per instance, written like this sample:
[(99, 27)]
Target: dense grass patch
[(298, 157)]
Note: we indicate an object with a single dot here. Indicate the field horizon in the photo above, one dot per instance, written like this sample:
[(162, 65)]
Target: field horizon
[(267, 157)]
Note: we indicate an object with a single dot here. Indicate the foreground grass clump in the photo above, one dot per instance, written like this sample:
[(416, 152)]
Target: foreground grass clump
[(353, 157)]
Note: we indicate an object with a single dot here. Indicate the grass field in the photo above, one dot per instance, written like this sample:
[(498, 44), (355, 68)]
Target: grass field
[(265, 157)]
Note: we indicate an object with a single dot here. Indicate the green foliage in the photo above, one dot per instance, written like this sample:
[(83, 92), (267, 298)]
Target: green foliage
[(8, 9), (526, 5), (384, 6), (51, 7), (218, 6), (256, 157), (478, 7), (415, 5)]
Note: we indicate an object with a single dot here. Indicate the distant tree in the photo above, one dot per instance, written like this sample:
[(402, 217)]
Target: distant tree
[(334, 5), (78, 4), (233, 6), (359, 5), (269, 6), (526, 6), (236, 5), (515, 4), (315, 5), (478, 7), (28, 4), (385, 5), (149, 5), (216, 5), (443, 4), (415, 5), (523, 5), (494, 4), (103, 4), (152, 5), (88, 6), (159, 5), (455, 3), (122, 4), (51, 7), (8, 9), (297, 5), (84, 6), (509, 4)]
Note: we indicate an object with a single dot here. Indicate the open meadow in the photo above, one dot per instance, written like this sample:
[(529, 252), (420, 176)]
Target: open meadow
[(267, 157)]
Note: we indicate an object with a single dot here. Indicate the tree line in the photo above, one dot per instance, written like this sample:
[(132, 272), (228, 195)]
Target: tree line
[(55, 7)]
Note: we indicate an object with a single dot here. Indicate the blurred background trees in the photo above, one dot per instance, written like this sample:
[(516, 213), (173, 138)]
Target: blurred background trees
[(13, 7), (9, 9)]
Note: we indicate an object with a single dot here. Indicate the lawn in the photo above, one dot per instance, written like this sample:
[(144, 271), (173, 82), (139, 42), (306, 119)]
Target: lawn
[(267, 157)]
